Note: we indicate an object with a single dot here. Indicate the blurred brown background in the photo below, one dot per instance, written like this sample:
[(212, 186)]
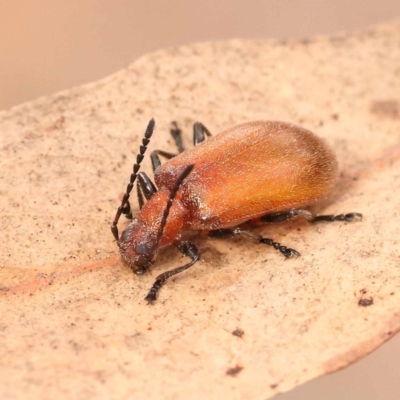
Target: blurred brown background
[(50, 45)]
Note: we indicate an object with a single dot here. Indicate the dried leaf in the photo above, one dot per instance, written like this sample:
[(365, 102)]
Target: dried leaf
[(74, 323)]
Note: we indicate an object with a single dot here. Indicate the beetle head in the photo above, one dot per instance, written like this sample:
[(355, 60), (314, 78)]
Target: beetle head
[(139, 241), (136, 247)]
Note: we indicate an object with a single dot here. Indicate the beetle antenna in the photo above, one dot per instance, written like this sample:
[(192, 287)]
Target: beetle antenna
[(172, 195), (136, 167)]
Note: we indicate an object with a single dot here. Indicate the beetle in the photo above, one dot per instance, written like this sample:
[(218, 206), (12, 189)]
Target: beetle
[(259, 171)]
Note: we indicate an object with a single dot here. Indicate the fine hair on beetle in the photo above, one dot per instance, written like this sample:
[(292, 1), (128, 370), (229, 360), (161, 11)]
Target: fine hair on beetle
[(262, 171)]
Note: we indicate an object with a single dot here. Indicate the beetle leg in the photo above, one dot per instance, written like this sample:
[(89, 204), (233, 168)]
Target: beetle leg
[(155, 159), (147, 186), (198, 133), (176, 133), (285, 215), (286, 251), (221, 233), (144, 187), (139, 197), (349, 217), (189, 250)]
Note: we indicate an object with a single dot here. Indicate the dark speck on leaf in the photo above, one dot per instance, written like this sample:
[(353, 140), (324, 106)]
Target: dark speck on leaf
[(366, 302), (238, 332), (234, 371)]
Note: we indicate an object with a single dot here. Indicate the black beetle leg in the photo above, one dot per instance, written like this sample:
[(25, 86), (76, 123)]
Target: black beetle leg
[(176, 133), (199, 132), (286, 251), (145, 187), (155, 159), (189, 250), (285, 215)]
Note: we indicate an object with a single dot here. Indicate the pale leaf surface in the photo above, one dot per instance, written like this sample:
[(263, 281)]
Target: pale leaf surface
[(73, 320)]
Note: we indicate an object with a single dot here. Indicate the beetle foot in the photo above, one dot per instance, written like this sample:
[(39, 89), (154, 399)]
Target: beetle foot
[(354, 216), (152, 295), (286, 251)]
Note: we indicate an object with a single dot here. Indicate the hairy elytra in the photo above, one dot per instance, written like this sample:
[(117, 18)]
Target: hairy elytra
[(261, 171)]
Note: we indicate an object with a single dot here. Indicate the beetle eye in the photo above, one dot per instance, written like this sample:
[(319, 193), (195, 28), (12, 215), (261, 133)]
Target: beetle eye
[(142, 248)]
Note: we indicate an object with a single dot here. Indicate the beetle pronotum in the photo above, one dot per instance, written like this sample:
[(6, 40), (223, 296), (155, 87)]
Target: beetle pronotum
[(257, 171)]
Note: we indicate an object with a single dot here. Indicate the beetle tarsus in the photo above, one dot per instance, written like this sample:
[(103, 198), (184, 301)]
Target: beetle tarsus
[(341, 217), (286, 251), (285, 215), (152, 295)]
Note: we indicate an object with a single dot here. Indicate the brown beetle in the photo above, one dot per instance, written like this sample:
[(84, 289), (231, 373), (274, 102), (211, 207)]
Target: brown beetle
[(257, 171)]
